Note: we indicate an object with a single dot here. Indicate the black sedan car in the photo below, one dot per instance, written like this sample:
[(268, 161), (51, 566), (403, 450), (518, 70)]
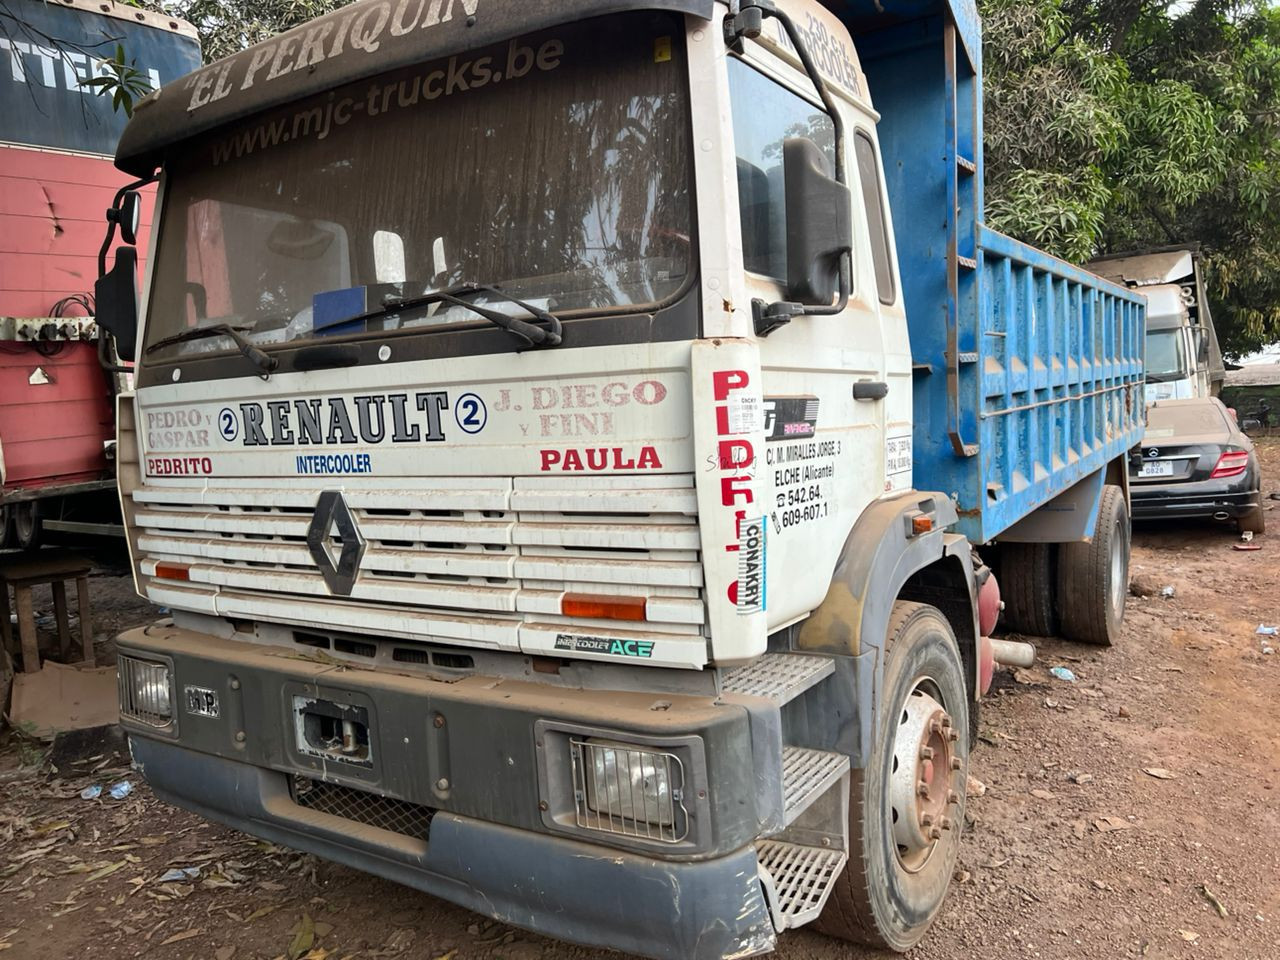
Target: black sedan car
[(1195, 461)]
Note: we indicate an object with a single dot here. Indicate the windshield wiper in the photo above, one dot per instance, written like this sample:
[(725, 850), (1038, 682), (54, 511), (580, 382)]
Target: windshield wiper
[(533, 335), (259, 358)]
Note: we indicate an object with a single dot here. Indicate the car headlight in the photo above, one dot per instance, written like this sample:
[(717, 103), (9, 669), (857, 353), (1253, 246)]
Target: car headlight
[(145, 691), (629, 790)]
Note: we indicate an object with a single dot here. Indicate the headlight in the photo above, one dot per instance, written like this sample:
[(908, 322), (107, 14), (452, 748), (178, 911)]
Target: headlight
[(145, 691), (629, 790)]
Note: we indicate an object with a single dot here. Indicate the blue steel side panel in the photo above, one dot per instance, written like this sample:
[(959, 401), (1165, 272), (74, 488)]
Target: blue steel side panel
[(862, 16), (1056, 392), (1045, 358)]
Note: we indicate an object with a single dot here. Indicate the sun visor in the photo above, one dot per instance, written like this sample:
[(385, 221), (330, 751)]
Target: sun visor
[(357, 41)]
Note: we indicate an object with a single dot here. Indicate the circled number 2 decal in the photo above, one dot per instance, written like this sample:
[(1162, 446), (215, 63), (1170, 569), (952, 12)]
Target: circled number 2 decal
[(471, 413), (228, 424)]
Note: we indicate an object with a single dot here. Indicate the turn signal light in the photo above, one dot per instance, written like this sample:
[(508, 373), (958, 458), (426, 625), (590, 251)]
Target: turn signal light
[(1231, 464), (173, 571), (591, 607)]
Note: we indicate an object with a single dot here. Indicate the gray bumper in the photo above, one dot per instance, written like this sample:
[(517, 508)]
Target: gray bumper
[(560, 887)]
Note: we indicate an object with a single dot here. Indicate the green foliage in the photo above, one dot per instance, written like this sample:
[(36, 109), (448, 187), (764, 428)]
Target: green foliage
[(1113, 124), (121, 80)]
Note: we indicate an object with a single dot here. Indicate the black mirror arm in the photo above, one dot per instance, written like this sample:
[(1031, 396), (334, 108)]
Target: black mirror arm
[(112, 221), (747, 23)]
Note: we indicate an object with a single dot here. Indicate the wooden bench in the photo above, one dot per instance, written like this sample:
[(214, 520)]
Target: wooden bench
[(55, 568)]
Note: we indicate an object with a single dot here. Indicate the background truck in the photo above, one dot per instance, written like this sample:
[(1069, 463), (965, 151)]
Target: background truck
[(562, 438), (57, 140), (1182, 355)]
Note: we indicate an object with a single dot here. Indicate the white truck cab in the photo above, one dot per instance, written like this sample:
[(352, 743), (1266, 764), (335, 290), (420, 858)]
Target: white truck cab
[(564, 435)]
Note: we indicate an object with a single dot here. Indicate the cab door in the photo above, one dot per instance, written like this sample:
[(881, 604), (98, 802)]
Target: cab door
[(837, 389)]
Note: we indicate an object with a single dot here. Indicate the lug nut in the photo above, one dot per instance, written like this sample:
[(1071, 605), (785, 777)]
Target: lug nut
[(926, 753), (953, 736), (953, 797), (935, 727), (924, 789), (945, 823), (946, 723), (935, 833), (955, 763), (926, 819)]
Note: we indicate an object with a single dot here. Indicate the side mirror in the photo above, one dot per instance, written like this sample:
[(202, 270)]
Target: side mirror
[(819, 229), (1202, 347), (128, 216), (116, 302)]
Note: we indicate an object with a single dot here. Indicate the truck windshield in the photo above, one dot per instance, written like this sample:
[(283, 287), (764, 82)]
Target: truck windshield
[(555, 166), (1165, 358)]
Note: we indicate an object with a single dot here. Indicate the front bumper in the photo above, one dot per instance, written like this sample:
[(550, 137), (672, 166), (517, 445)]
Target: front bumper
[(565, 889), (474, 752), (1203, 498)]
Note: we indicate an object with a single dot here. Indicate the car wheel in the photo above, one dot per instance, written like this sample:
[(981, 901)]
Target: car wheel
[(1254, 520), (906, 808)]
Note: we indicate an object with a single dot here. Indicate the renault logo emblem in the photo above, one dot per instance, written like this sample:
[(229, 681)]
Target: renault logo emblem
[(335, 542)]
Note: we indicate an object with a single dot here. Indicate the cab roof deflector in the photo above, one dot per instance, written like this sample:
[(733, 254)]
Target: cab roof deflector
[(364, 39)]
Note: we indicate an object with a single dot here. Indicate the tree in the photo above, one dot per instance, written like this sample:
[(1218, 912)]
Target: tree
[(228, 26), (1112, 124)]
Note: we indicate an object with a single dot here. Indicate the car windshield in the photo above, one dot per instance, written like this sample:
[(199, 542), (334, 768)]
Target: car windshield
[(555, 166), (1165, 360)]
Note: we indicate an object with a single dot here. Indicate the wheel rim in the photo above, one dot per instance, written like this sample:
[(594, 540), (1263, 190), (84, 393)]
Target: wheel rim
[(921, 797), (1119, 569)]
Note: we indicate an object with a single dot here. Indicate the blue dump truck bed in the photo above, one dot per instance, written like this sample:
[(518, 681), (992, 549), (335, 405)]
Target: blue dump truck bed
[(1028, 370)]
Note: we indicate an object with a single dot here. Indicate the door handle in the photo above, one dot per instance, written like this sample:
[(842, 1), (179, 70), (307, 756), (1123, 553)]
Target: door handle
[(870, 390)]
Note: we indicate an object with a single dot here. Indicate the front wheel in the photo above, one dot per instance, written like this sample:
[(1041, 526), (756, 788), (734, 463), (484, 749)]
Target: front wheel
[(906, 809)]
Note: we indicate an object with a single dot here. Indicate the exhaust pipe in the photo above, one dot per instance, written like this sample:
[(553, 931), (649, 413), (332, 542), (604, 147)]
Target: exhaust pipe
[(1011, 653)]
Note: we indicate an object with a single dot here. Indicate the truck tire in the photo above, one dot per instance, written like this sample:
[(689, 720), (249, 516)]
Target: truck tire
[(1093, 577), (27, 526), (1027, 587), (902, 845), (1253, 521)]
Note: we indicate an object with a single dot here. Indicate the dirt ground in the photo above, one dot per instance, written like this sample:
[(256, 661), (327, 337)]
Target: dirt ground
[(1130, 813)]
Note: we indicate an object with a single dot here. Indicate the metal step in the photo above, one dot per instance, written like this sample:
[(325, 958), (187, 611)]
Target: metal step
[(797, 879), (780, 677), (806, 775)]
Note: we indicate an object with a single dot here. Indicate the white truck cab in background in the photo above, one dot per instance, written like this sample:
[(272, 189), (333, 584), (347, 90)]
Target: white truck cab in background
[(1182, 355)]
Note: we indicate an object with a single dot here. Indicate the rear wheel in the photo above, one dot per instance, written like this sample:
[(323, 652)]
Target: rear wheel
[(1253, 521), (26, 524), (1027, 587), (1093, 577), (906, 809)]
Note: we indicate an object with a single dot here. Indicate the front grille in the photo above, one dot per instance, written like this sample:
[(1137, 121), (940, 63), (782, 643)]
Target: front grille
[(386, 813), (146, 694), (442, 544)]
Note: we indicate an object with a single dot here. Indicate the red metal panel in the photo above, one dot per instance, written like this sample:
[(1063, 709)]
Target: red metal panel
[(52, 208), (53, 432)]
